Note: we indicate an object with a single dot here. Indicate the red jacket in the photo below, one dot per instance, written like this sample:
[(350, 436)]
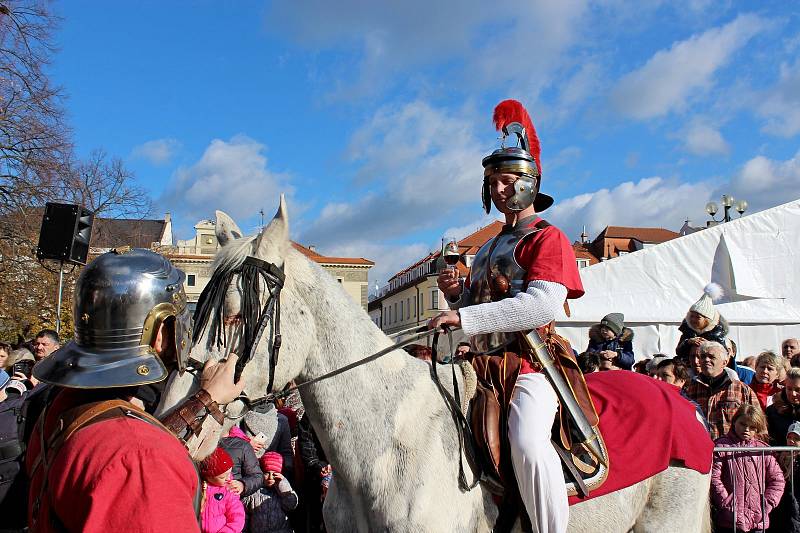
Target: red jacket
[(116, 475)]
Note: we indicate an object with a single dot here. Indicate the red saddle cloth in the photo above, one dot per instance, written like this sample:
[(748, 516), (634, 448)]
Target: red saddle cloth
[(645, 424)]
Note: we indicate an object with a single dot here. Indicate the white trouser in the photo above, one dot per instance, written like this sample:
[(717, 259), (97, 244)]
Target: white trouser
[(536, 464)]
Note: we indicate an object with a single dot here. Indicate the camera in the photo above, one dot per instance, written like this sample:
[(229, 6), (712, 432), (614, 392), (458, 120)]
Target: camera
[(24, 367)]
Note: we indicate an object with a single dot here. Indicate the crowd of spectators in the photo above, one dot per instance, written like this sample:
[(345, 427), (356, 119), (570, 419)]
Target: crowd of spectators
[(746, 406)]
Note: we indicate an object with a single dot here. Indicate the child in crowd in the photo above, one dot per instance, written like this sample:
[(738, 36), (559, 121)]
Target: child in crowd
[(765, 382), (786, 517), (613, 341), (672, 372), (267, 508), (703, 322), (748, 484), (221, 510)]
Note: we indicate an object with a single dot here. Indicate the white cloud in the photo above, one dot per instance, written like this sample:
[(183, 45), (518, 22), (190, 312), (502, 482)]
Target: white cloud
[(230, 175), (389, 258), (781, 104), (388, 38), (672, 77), (650, 202), (157, 152), (702, 139), (766, 182), (423, 160)]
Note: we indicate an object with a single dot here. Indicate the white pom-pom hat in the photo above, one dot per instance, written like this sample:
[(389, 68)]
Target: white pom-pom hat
[(705, 305)]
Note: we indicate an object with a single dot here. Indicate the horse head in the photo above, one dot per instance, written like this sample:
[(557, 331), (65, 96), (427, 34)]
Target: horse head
[(271, 245)]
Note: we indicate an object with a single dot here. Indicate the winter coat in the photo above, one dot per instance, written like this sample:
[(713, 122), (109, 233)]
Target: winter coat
[(765, 392), (717, 333), (622, 344), (222, 512), (282, 443), (780, 416), (245, 464), (751, 475), (267, 508), (785, 518)]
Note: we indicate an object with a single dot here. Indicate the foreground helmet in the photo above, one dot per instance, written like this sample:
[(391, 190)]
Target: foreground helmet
[(511, 118), (121, 300)]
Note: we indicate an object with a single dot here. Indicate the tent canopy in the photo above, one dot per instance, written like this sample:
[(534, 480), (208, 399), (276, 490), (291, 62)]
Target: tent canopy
[(754, 259)]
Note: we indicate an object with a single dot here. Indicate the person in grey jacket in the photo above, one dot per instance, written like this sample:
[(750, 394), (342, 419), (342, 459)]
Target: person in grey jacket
[(247, 477), (275, 427), (267, 508)]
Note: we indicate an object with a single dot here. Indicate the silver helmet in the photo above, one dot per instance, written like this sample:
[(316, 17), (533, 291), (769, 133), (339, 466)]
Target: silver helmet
[(511, 118), (121, 300)]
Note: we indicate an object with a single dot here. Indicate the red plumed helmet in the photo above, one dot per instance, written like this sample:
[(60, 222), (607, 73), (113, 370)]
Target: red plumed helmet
[(509, 111)]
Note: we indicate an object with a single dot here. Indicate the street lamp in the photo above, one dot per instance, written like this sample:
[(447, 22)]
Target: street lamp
[(728, 202)]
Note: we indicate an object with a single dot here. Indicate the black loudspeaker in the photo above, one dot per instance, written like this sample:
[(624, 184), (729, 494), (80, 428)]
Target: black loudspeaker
[(65, 234)]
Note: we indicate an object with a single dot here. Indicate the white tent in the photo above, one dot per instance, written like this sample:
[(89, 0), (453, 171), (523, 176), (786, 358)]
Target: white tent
[(755, 259)]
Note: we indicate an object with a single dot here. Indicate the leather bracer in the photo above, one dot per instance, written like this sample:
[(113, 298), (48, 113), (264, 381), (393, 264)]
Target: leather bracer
[(187, 419)]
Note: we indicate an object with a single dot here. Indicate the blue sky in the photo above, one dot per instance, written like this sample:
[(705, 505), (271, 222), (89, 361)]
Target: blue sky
[(373, 116)]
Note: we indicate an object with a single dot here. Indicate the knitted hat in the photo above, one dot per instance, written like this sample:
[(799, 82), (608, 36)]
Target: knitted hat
[(614, 321), (216, 463), (271, 462), (794, 428), (266, 423), (705, 305)]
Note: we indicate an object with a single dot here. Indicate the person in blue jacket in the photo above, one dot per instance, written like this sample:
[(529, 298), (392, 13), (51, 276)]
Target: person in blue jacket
[(613, 340)]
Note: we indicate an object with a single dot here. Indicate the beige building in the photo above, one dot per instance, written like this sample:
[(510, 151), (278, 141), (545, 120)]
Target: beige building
[(411, 297), (194, 257)]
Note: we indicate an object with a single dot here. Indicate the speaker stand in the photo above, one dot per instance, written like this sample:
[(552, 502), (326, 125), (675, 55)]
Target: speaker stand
[(60, 291)]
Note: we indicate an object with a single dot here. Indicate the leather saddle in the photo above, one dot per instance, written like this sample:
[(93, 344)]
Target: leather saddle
[(488, 415)]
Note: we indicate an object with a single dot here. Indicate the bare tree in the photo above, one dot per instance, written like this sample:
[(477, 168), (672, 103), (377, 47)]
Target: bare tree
[(37, 166)]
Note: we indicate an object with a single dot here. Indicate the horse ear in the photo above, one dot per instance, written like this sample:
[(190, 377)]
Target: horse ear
[(226, 229), (275, 236)]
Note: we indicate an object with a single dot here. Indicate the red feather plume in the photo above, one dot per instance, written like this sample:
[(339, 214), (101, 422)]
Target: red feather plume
[(509, 111)]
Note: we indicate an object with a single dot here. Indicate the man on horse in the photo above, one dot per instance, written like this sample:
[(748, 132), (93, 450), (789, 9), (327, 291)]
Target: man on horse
[(518, 282), (97, 460)]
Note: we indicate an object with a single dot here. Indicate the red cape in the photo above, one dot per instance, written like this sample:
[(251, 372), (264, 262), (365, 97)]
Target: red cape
[(646, 424)]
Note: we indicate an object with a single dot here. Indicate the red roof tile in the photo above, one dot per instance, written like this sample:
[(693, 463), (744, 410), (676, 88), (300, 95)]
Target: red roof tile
[(649, 235), (318, 258)]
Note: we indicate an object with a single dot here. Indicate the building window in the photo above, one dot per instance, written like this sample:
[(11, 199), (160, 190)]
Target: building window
[(408, 308), (394, 312), (190, 280), (421, 303), (435, 299), (415, 306), (401, 310), (582, 263), (339, 280)]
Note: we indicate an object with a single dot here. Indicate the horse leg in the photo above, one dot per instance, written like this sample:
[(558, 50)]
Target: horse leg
[(678, 501), (616, 512), (338, 511)]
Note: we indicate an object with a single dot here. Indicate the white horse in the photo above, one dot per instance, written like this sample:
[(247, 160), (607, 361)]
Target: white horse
[(384, 426)]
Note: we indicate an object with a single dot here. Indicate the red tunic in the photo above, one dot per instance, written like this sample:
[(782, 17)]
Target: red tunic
[(118, 475)]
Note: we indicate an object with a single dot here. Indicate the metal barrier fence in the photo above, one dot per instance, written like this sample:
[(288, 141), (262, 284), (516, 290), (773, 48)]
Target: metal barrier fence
[(762, 452)]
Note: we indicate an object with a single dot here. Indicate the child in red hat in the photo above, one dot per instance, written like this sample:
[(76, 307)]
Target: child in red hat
[(221, 511), (267, 508)]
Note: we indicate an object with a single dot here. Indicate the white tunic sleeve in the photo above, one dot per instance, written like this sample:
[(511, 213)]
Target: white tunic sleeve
[(527, 310)]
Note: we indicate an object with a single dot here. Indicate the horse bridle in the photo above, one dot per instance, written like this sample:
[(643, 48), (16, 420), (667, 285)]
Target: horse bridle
[(253, 317)]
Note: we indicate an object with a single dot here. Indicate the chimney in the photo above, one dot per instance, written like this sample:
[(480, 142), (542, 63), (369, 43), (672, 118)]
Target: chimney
[(312, 248), (584, 236)]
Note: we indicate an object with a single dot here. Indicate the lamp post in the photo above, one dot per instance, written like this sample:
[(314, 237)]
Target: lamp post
[(728, 202)]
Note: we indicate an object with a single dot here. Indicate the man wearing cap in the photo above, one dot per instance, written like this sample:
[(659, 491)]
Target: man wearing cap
[(517, 283), (97, 460), (613, 341)]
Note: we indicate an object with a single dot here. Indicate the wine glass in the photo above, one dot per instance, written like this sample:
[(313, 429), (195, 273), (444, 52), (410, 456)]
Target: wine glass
[(450, 253)]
